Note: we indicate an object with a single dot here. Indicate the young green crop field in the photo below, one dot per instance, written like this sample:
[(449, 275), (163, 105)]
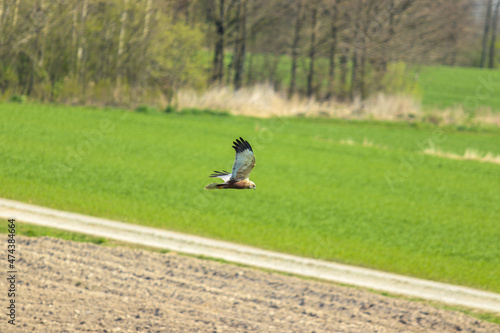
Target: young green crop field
[(321, 192)]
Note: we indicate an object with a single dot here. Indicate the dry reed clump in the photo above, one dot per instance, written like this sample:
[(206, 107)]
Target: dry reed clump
[(469, 154), (263, 101), (257, 101), (388, 107)]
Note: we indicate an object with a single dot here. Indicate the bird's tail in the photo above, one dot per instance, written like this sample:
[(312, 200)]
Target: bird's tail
[(213, 186)]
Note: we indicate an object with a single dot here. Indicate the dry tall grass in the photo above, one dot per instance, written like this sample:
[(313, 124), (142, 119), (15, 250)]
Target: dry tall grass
[(264, 101)]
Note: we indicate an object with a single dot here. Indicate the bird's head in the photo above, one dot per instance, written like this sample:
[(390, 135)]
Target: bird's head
[(252, 185)]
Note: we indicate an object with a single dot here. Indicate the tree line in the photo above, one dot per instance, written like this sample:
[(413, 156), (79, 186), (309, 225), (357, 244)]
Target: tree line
[(123, 51)]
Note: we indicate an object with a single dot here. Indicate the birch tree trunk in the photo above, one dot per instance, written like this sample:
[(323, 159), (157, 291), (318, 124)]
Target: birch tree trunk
[(16, 13), (2, 4), (74, 35), (145, 41), (147, 19), (121, 45), (81, 45)]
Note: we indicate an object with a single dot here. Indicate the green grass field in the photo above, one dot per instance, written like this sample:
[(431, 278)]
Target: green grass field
[(33, 230), (444, 86), (385, 206)]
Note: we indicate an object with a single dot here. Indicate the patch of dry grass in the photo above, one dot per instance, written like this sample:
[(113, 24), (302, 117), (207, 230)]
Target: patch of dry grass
[(350, 142), (488, 117), (469, 154)]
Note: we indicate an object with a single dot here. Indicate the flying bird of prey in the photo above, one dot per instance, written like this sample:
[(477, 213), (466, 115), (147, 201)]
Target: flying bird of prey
[(243, 165)]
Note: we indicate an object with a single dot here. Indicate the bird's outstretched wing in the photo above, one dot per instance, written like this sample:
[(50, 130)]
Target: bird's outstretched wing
[(244, 161), (224, 175)]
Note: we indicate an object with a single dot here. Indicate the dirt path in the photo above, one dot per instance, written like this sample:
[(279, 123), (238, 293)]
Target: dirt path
[(66, 286), (183, 243)]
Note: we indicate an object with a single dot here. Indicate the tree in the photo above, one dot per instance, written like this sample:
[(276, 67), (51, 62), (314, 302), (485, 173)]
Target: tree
[(121, 44), (83, 50), (312, 48), (240, 44), (219, 13), (487, 24), (81, 42), (333, 13), (494, 23), (298, 12)]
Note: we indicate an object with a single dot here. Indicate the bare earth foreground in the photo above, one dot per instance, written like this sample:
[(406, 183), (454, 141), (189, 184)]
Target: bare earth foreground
[(65, 286)]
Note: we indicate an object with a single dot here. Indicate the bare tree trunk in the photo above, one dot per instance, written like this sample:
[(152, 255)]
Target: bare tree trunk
[(312, 51), (487, 24), (295, 46), (332, 51), (121, 45), (187, 11), (354, 78), (229, 73), (343, 75), (494, 36), (358, 41), (362, 70), (386, 55), (239, 59), (218, 63), (453, 42)]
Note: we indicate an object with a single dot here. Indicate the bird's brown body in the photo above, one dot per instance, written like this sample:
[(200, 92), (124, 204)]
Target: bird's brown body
[(239, 185)]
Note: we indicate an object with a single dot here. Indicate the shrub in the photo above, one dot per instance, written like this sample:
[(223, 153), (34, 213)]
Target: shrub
[(145, 109), (16, 98), (170, 109), (209, 112), (399, 79)]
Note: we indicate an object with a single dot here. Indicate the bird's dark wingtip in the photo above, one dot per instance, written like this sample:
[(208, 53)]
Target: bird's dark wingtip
[(241, 145)]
